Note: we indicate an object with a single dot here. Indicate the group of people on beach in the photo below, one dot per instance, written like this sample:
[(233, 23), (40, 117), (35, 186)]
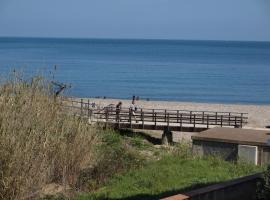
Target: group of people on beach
[(132, 109)]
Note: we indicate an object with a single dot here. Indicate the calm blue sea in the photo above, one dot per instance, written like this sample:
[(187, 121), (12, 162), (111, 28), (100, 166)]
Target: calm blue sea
[(175, 70)]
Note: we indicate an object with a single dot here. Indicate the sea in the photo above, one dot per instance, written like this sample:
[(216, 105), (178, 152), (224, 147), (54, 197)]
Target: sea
[(230, 72)]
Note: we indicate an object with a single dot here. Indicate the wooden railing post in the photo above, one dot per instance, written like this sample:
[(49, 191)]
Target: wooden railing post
[(130, 120), (235, 122), (221, 123), (155, 120), (181, 121), (165, 116), (190, 117), (177, 116), (107, 117), (203, 118), (88, 108), (168, 120), (118, 115), (194, 121), (241, 122), (207, 121), (216, 118), (142, 120), (81, 107), (153, 114)]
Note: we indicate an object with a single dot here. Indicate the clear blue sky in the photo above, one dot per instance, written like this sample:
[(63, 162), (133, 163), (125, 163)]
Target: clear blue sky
[(164, 19)]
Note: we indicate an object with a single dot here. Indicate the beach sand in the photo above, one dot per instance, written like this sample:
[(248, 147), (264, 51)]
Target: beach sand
[(258, 115)]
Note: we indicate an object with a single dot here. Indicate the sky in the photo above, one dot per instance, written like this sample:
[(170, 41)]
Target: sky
[(143, 19)]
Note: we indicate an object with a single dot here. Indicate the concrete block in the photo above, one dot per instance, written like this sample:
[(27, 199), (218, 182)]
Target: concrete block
[(247, 153)]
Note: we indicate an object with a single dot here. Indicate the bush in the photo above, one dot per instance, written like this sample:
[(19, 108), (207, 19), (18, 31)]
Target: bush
[(263, 189), (115, 156), (39, 142)]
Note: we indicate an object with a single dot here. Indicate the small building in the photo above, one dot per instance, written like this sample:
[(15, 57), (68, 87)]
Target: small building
[(234, 144)]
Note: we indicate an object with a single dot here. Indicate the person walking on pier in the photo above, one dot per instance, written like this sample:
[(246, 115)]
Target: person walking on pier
[(118, 110), (133, 109)]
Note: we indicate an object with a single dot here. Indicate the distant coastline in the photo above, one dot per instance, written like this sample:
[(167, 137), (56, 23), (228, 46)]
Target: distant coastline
[(134, 39)]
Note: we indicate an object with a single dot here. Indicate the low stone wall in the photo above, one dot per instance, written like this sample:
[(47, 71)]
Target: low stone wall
[(242, 188)]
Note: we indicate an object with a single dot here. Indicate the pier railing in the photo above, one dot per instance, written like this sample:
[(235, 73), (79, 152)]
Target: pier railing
[(156, 117)]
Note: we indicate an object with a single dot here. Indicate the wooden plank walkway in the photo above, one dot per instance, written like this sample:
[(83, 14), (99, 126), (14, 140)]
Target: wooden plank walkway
[(156, 119)]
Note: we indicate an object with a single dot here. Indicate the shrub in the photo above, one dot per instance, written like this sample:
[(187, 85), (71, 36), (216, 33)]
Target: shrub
[(263, 189), (39, 142), (115, 156)]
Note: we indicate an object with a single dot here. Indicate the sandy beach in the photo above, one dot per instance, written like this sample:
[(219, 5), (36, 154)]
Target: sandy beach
[(258, 115)]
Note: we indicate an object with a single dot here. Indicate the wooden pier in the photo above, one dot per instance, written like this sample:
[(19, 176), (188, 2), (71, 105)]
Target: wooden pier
[(157, 119)]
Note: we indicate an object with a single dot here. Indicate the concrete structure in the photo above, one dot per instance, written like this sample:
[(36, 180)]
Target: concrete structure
[(250, 145), (248, 153), (237, 189)]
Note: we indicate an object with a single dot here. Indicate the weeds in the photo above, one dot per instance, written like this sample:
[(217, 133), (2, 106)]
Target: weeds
[(39, 142)]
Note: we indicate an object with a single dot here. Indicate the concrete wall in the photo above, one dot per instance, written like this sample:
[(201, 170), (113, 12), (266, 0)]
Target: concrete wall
[(238, 189), (227, 151), (264, 155)]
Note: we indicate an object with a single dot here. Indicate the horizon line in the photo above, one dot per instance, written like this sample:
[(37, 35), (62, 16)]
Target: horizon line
[(117, 38)]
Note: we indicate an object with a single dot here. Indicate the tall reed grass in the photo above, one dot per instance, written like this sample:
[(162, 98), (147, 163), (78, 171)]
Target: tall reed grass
[(39, 142)]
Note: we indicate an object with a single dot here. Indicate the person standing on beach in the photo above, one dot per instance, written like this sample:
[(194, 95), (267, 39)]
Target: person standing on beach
[(118, 110)]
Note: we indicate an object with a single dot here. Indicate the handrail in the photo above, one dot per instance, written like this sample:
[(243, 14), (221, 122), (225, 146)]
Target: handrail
[(158, 109), (168, 116)]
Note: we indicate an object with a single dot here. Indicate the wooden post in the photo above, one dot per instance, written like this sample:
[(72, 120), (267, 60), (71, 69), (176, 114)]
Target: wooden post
[(207, 121), (194, 121), (165, 116), (181, 121), (116, 116), (168, 120), (167, 137), (142, 120), (141, 114), (81, 107), (88, 108), (235, 122), (155, 120), (216, 118), (107, 117), (177, 116), (203, 117), (241, 122), (130, 121), (119, 118), (153, 114), (107, 114), (190, 117), (221, 121), (90, 113)]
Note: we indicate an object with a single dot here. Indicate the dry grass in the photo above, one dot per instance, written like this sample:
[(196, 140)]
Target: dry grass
[(39, 143)]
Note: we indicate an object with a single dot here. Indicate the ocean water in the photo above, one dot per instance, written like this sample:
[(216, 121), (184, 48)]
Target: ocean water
[(173, 70)]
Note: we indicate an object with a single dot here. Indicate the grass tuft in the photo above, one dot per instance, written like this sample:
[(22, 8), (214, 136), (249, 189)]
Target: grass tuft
[(39, 142)]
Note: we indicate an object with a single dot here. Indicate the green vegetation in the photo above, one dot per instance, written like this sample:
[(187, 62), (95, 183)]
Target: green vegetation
[(263, 189), (168, 176), (39, 142), (48, 153)]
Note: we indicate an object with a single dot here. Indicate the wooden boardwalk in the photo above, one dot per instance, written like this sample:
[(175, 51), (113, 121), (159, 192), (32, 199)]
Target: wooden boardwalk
[(157, 119)]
